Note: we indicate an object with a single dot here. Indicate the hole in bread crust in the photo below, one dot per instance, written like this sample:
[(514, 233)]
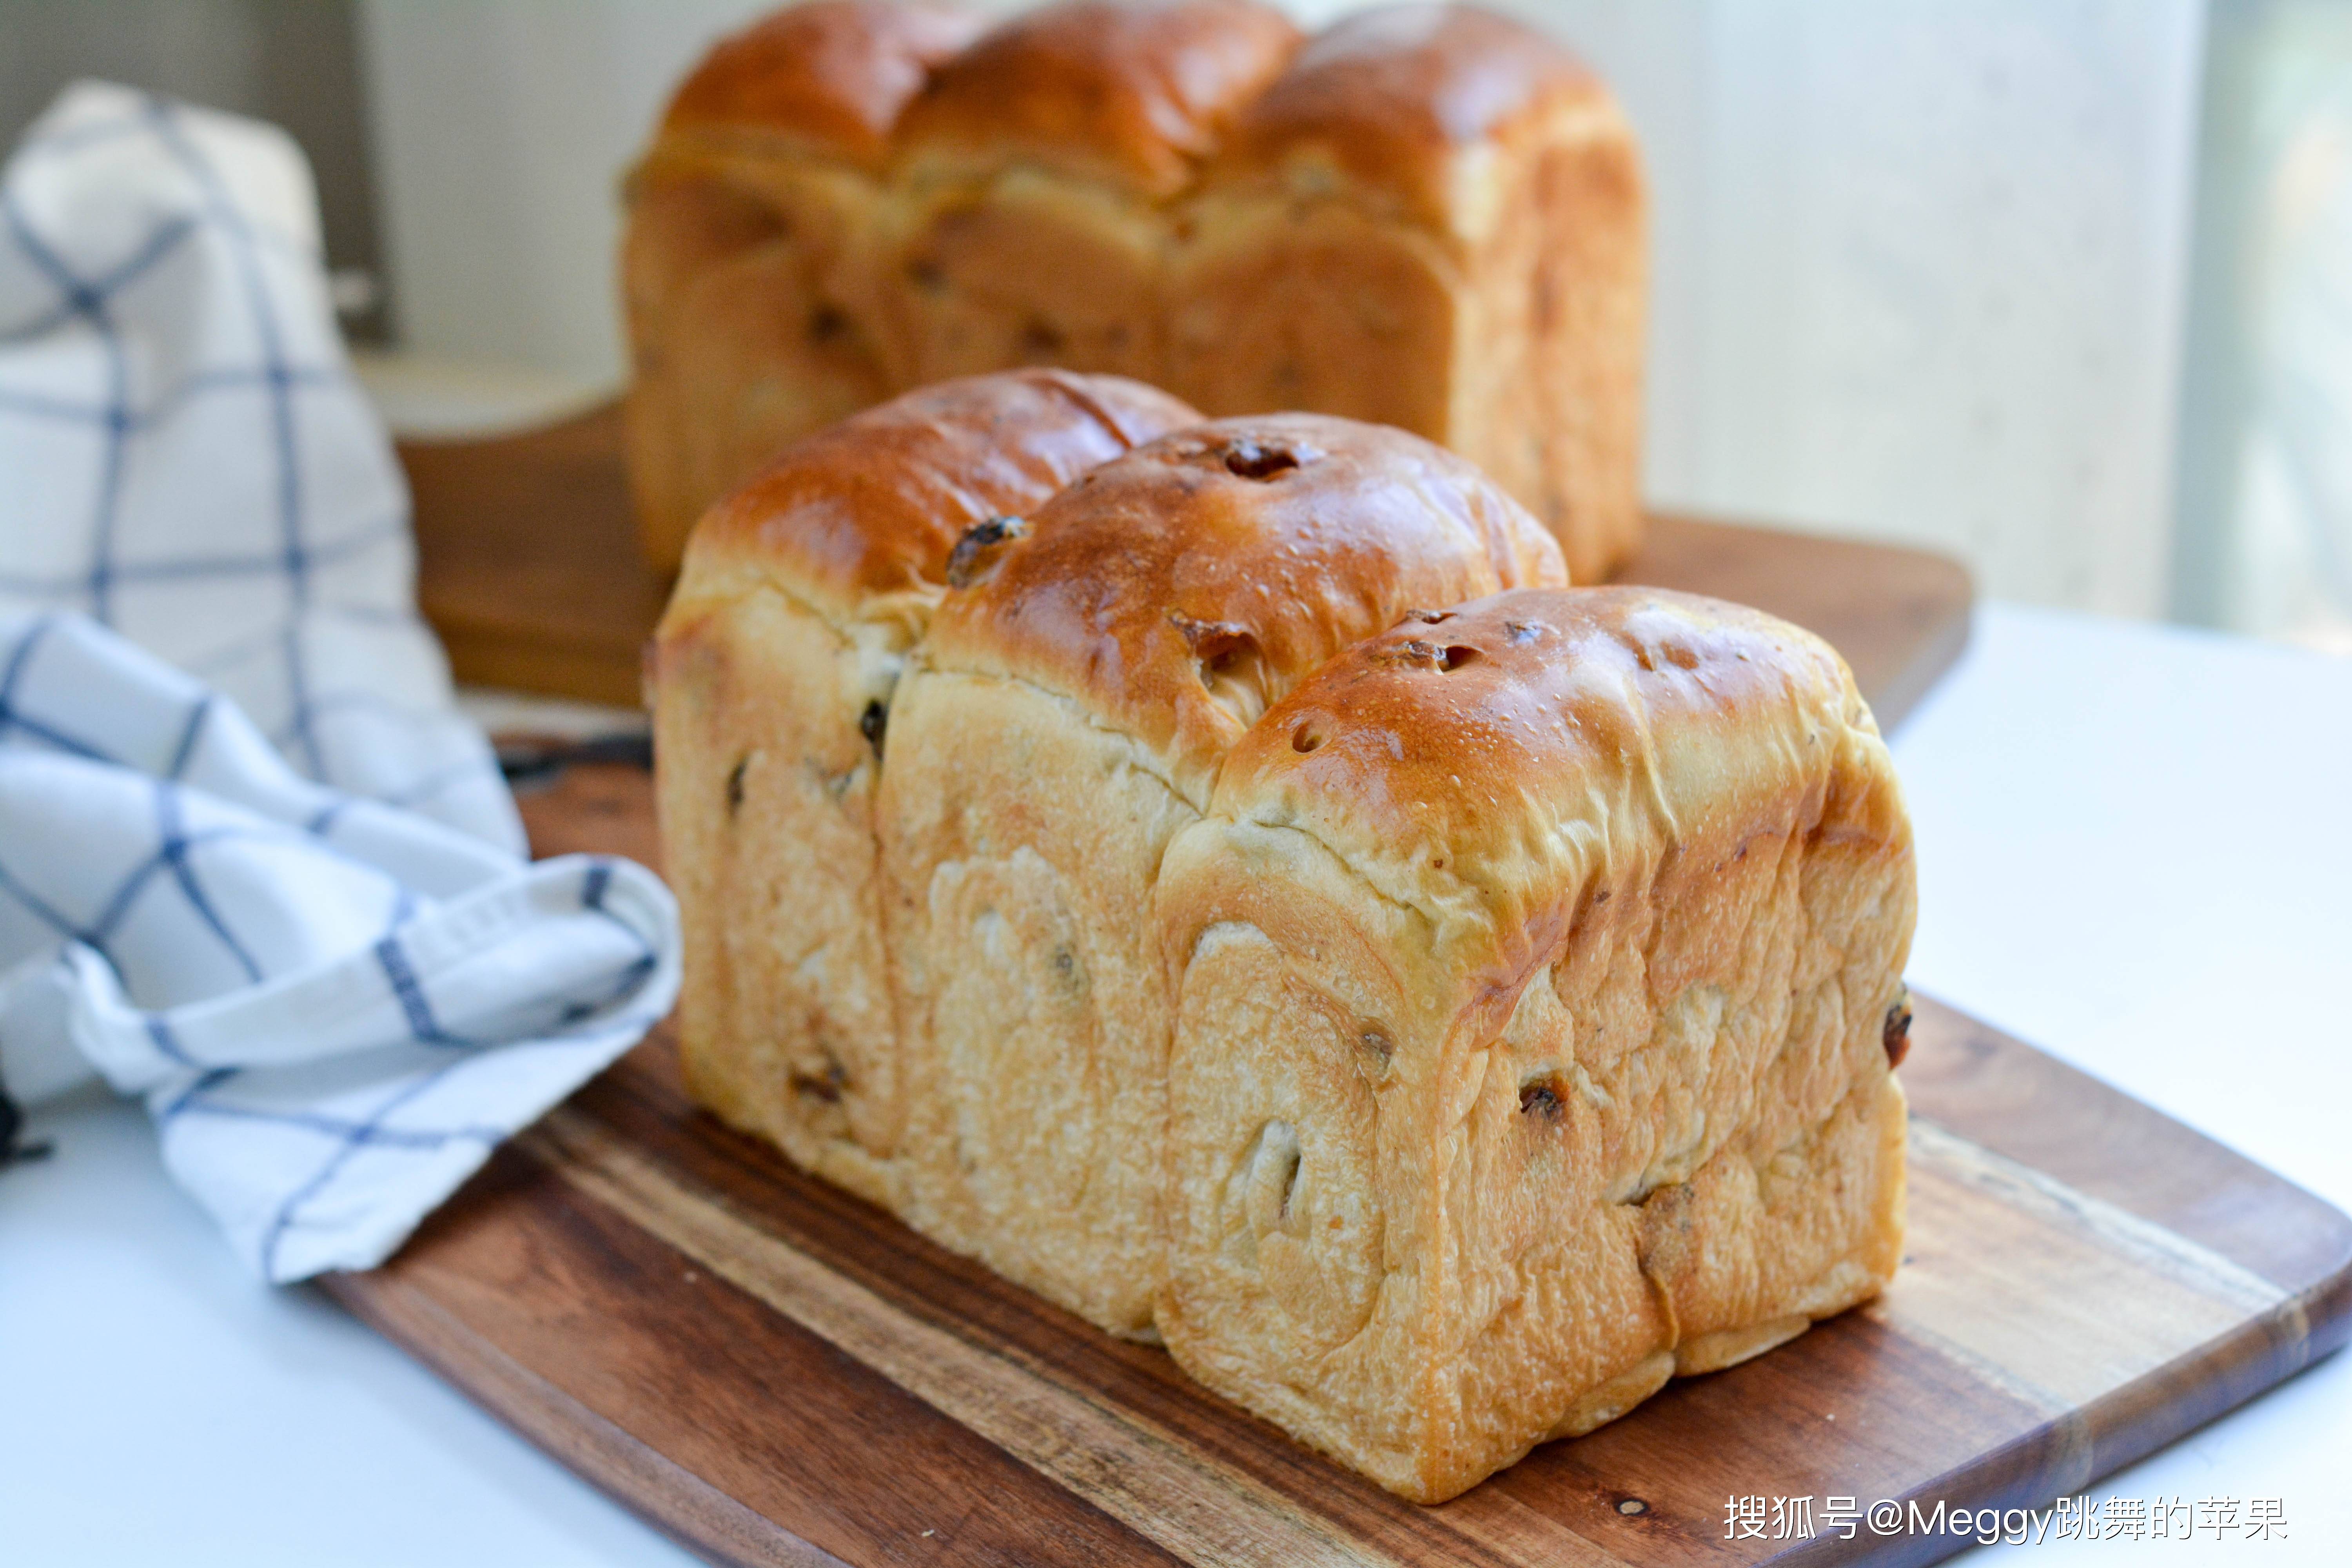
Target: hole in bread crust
[(1419, 653), (873, 724), (1374, 1051), (1426, 617), (970, 560), (824, 1087), (1305, 738), (1518, 634), (1252, 460), (1231, 667), (827, 322)]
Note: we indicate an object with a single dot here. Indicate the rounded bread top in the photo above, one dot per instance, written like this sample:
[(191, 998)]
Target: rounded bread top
[(1506, 757), (1391, 98), (834, 73), (876, 504), (1177, 590), (1134, 94)]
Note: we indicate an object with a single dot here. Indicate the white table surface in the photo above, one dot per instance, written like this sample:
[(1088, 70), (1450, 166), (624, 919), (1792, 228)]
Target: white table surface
[(2135, 851)]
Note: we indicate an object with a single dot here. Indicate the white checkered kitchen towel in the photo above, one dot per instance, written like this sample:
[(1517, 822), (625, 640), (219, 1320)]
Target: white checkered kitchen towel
[(335, 1006), (186, 459)]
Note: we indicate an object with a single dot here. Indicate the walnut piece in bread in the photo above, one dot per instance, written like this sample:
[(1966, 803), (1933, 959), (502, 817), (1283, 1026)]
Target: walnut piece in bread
[(1065, 719), (772, 675), (1530, 969)]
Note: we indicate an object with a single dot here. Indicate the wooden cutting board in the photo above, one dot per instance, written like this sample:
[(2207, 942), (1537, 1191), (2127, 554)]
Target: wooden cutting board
[(776, 1374), (528, 567)]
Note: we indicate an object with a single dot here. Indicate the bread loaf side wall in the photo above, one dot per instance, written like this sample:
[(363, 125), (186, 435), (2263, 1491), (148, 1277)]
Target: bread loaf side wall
[(766, 784), (1026, 267), (1019, 844)]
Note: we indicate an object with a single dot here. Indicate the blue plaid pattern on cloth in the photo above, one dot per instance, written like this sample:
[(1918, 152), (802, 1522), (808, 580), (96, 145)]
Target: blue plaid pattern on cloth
[(335, 1008), (185, 456), (276, 890)]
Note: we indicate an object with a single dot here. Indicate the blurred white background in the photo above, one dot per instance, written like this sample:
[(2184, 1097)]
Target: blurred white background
[(2063, 287)]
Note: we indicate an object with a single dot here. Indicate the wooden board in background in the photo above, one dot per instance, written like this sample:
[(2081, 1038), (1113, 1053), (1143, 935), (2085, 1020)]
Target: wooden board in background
[(776, 1374), (528, 568)]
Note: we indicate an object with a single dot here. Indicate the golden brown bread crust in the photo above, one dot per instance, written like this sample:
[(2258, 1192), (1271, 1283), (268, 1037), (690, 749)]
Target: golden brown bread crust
[(876, 504), (829, 73), (1391, 97), (772, 679), (1537, 687), (1134, 94), (1530, 970), (1178, 590)]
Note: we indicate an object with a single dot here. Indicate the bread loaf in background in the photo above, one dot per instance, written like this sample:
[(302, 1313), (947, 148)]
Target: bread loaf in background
[(1538, 979), (1064, 719), (1429, 216), (774, 675)]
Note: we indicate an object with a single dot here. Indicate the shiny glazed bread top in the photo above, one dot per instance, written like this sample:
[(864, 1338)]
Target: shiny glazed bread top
[(876, 504), (834, 73), (1140, 95), (1178, 590), (1461, 761), (1388, 98), (1134, 94)]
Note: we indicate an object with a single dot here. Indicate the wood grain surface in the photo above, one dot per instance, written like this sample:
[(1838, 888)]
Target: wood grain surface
[(528, 567), (775, 1373)]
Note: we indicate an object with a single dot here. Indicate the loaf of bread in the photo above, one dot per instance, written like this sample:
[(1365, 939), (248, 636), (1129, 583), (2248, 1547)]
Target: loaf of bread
[(1217, 874), (1429, 216), (1537, 969), (774, 672), (1066, 717)]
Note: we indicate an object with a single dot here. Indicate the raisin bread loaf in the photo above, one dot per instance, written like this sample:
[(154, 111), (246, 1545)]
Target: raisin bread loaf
[(1428, 216), (1225, 881)]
